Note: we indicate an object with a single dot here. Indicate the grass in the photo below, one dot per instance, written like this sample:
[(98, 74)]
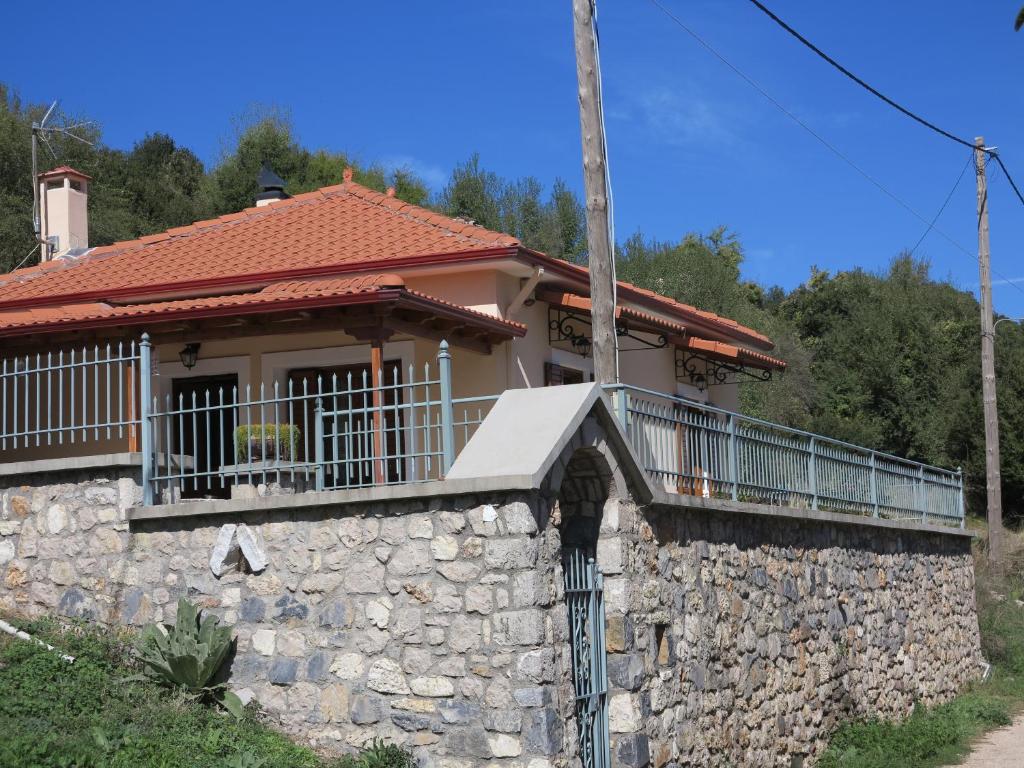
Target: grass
[(84, 715), (942, 735)]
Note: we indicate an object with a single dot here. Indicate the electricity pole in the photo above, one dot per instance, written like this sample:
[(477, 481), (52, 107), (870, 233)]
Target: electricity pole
[(993, 479), (595, 178)]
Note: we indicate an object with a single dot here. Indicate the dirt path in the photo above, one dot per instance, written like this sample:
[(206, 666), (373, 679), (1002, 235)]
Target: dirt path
[(999, 749)]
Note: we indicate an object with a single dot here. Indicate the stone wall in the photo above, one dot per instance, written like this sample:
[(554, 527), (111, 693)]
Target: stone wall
[(743, 640), (734, 639), (421, 622)]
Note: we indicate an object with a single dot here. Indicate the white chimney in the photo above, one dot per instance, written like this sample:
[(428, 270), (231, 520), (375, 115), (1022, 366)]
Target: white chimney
[(64, 214)]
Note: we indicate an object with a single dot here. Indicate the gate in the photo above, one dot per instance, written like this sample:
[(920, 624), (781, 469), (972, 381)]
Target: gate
[(585, 599)]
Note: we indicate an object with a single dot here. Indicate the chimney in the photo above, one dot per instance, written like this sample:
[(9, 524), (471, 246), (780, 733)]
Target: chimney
[(64, 214), (271, 187)]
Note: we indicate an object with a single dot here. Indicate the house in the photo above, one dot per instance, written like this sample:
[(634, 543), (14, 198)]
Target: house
[(330, 420), (339, 290)]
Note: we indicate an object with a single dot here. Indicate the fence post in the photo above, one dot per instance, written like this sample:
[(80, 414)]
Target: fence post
[(145, 425), (960, 483), (318, 442), (734, 459), (812, 472), (622, 408), (874, 486), (444, 364), (923, 495)]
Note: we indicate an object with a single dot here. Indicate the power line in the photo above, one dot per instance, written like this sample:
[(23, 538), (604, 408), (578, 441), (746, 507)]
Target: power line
[(944, 204), (857, 80), (831, 147), (874, 91)]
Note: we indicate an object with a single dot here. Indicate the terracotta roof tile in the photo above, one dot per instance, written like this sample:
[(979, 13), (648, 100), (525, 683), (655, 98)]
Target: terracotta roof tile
[(49, 318), (335, 227)]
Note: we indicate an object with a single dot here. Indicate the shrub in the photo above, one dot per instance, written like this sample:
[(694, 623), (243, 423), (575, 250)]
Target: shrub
[(88, 715), (189, 654), (255, 442)]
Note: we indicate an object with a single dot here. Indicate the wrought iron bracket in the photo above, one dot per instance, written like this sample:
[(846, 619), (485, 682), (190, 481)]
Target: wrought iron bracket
[(715, 371), (564, 325)]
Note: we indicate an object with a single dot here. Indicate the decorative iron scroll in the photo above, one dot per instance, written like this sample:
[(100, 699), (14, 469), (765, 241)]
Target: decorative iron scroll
[(715, 371), (564, 325)]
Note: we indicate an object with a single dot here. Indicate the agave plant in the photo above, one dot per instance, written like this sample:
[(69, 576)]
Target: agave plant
[(188, 655)]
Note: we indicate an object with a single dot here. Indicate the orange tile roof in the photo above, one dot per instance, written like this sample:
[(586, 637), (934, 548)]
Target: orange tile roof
[(331, 231), (277, 297), (729, 352), (313, 233)]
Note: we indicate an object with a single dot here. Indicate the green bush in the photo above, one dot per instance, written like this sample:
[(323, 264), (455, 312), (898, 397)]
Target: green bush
[(255, 442), (87, 715)]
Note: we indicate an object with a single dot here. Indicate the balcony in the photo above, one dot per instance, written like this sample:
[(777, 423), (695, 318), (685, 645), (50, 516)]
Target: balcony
[(391, 426)]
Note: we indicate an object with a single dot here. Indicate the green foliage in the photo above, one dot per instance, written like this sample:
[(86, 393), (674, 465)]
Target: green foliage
[(266, 441), (556, 226), (189, 654), (87, 715)]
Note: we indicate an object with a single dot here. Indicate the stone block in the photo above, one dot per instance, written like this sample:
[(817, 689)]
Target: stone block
[(525, 627), (283, 671), (509, 554), (626, 670), (543, 731), (624, 713), (263, 641), (436, 687), (385, 676), (348, 666), (334, 703), (366, 710), (444, 547), (633, 750)]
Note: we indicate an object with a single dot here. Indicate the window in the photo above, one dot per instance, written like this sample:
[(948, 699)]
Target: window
[(555, 374)]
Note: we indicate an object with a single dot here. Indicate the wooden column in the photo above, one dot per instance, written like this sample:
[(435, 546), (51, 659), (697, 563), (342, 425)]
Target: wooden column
[(130, 372), (376, 370)]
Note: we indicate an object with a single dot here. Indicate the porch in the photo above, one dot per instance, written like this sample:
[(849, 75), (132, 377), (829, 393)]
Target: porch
[(383, 423)]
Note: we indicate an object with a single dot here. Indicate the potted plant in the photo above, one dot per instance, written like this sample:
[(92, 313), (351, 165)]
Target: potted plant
[(266, 442)]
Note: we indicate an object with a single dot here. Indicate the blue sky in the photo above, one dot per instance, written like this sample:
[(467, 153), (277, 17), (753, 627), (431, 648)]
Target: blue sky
[(692, 146)]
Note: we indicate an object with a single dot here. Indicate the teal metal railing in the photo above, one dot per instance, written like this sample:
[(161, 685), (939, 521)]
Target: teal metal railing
[(691, 448), (79, 395), (327, 433)]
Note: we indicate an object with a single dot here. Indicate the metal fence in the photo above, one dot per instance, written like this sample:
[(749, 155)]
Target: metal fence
[(691, 448), (324, 433), (80, 395)]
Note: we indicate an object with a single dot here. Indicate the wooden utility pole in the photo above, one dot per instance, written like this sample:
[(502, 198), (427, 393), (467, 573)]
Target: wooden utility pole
[(993, 479), (595, 178)]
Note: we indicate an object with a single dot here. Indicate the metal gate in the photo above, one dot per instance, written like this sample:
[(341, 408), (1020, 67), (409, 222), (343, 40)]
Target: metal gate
[(585, 599)]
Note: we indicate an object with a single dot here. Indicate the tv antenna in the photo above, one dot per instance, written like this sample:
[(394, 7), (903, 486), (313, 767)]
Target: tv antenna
[(40, 131)]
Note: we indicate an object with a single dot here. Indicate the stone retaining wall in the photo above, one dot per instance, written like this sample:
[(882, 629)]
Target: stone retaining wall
[(733, 639)]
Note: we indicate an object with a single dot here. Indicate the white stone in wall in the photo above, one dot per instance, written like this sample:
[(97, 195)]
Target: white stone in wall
[(379, 612), (225, 554), (624, 713), (435, 687), (348, 666), (444, 547), (252, 548), (504, 745), (263, 641), (385, 676)]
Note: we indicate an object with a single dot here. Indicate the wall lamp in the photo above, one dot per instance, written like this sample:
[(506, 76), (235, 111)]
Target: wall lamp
[(189, 355)]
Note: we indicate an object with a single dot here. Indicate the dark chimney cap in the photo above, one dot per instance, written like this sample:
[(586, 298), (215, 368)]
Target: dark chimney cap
[(271, 186)]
